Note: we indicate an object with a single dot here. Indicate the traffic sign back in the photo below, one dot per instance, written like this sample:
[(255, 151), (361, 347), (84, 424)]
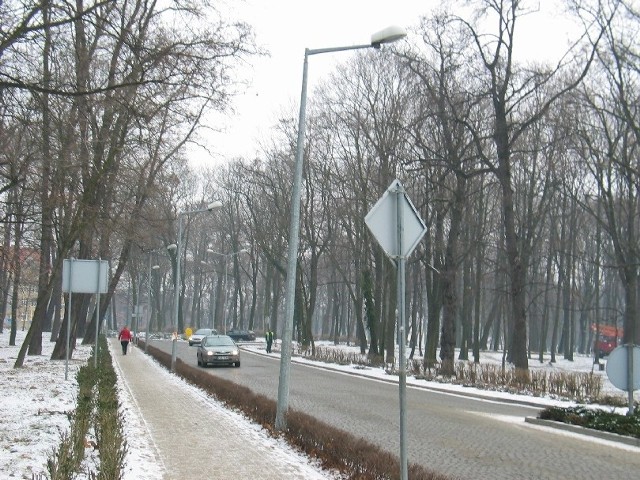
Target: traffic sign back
[(382, 221)]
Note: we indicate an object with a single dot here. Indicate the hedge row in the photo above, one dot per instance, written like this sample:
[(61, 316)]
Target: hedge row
[(96, 412)]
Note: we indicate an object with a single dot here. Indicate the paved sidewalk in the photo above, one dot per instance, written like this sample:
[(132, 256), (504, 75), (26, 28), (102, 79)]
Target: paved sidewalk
[(194, 436)]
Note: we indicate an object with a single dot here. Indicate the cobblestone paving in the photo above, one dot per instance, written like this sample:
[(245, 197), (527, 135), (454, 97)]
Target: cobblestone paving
[(195, 440)]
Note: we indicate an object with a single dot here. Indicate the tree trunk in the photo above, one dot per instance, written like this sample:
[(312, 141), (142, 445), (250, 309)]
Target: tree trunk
[(449, 279), (517, 271)]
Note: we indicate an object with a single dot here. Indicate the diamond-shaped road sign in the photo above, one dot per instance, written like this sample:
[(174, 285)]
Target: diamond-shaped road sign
[(382, 221)]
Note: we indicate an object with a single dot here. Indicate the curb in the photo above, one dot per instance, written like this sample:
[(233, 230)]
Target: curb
[(613, 437)]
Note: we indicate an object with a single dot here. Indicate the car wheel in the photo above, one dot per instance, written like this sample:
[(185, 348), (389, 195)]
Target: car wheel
[(237, 365), (199, 361), (190, 344)]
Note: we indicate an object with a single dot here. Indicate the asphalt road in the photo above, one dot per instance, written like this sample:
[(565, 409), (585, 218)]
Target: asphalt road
[(456, 435)]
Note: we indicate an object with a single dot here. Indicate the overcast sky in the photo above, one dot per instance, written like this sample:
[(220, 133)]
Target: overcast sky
[(286, 27)]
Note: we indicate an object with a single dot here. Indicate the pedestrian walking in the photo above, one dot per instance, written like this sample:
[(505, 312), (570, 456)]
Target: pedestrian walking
[(125, 337), (269, 338)]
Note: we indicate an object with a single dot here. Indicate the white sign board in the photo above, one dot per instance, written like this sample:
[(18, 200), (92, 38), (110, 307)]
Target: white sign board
[(382, 221), (85, 276)]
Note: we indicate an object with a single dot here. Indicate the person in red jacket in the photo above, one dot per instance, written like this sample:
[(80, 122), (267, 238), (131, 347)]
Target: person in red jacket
[(125, 337)]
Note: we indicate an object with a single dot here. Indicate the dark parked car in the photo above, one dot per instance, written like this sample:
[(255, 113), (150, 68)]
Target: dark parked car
[(242, 335), (218, 350)]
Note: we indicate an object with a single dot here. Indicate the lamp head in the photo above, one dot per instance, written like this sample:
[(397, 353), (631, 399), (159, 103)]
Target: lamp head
[(212, 205), (172, 247), (388, 35)]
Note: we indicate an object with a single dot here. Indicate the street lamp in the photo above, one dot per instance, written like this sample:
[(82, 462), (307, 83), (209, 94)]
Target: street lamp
[(211, 321), (224, 298), (388, 35), (146, 335), (178, 248)]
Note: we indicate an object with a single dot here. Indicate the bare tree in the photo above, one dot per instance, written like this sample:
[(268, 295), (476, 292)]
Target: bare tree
[(510, 89), (133, 129), (445, 154), (608, 144)]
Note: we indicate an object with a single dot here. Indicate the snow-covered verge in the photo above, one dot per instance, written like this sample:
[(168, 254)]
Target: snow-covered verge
[(36, 404)]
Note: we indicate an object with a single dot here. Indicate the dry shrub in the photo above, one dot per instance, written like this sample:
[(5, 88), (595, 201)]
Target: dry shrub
[(520, 380), (576, 386), (340, 357), (581, 386), (416, 368), (490, 375)]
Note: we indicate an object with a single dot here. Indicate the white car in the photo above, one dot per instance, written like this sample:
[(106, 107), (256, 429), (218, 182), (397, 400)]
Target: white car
[(199, 334)]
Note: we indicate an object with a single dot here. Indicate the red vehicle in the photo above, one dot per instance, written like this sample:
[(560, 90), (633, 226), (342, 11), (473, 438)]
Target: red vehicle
[(609, 337)]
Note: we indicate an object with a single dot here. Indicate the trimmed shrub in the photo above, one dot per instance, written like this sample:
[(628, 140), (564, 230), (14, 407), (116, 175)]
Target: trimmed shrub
[(108, 423), (97, 408), (597, 419), (65, 461)]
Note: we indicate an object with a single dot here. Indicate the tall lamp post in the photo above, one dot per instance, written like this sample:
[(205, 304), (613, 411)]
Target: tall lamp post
[(136, 314), (224, 298), (388, 35), (210, 323), (178, 248), (146, 335)]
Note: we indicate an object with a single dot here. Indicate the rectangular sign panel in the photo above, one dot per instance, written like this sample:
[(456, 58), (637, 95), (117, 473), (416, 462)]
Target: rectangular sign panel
[(85, 276)]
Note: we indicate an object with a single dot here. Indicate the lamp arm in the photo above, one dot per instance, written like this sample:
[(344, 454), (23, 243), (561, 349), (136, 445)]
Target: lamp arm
[(315, 51)]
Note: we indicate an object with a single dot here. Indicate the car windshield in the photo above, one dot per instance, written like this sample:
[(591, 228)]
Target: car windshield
[(204, 331), (218, 341)]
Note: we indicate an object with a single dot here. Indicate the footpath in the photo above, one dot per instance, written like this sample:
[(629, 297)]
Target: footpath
[(194, 439)]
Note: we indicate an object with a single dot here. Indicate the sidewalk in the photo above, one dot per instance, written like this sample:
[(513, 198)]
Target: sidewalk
[(196, 437)]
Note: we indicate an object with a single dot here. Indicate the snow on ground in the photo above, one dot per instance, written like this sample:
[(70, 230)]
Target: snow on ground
[(36, 400)]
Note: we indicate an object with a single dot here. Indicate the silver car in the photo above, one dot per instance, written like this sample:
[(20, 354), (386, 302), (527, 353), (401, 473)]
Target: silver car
[(218, 350), (199, 335)]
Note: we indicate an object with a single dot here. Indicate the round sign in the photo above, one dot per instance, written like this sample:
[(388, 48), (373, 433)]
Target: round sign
[(617, 367), (188, 332)]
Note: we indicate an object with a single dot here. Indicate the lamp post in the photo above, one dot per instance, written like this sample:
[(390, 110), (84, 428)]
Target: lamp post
[(136, 313), (210, 323), (178, 248), (146, 335), (224, 297), (388, 35)]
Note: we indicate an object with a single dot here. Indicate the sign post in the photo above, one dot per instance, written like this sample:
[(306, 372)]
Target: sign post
[(398, 228), (84, 276)]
